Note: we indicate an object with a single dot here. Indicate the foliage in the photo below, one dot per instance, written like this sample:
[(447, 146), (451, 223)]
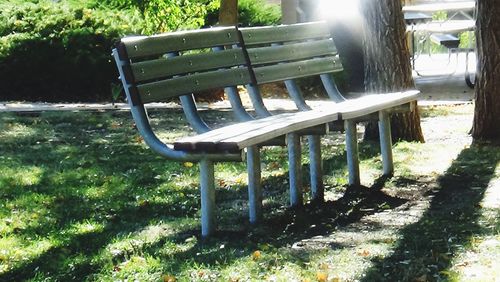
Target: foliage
[(162, 15), (250, 13), (53, 52), (61, 51)]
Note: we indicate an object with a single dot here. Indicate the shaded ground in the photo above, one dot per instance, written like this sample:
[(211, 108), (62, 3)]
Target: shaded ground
[(100, 206)]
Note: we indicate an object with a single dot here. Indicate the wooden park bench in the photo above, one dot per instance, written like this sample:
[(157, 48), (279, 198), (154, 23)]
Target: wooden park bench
[(181, 64)]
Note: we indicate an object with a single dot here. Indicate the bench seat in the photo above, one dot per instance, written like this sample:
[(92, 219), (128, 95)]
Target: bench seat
[(238, 136), (447, 40), (368, 104)]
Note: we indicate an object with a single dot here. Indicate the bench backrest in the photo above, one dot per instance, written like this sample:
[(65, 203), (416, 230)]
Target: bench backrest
[(168, 65), (174, 64), (285, 52)]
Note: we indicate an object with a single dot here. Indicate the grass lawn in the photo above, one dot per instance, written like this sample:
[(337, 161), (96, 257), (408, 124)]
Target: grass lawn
[(82, 198)]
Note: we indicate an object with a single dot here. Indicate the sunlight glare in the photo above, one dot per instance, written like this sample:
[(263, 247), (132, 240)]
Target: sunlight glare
[(338, 10)]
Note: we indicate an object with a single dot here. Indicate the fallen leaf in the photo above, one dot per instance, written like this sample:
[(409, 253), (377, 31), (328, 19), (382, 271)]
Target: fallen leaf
[(364, 253), (321, 276), (169, 278), (256, 255), (188, 164)]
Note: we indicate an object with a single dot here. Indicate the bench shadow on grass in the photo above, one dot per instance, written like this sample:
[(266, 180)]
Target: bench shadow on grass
[(428, 246), (282, 227)]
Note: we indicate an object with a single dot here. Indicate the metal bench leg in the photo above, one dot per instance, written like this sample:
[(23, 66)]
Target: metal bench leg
[(384, 127), (254, 184), (207, 180), (294, 155), (315, 167), (351, 140)]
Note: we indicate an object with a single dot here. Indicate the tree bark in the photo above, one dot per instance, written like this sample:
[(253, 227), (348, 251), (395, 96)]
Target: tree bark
[(486, 126), (228, 13), (387, 63), (289, 11)]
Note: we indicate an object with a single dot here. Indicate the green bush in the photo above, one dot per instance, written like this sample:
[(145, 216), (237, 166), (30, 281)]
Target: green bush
[(51, 52), (61, 51), (161, 15)]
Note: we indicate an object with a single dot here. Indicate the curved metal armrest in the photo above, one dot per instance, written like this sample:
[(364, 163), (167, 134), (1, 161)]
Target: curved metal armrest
[(142, 122)]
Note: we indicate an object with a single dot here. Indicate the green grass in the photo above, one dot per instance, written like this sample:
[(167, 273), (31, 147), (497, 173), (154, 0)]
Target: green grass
[(83, 199)]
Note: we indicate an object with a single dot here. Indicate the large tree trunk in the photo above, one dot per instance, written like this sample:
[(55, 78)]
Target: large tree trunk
[(289, 11), (228, 13), (486, 126), (387, 63)]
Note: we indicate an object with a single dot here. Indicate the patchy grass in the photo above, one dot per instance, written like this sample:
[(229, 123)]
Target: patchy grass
[(82, 198)]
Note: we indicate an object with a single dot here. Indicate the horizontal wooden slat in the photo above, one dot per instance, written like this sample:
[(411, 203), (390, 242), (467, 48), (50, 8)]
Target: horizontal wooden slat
[(242, 135), (161, 90), (190, 63), (284, 33), (298, 69), (365, 105), (290, 52), (141, 46)]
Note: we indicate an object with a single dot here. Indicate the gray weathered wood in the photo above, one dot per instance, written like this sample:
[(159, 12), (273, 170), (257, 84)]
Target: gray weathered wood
[(163, 67), (143, 46), (373, 103), (162, 90), (254, 132), (291, 52), (285, 71), (271, 34)]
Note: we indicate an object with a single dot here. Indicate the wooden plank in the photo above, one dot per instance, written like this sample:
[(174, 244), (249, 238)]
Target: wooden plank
[(280, 72), (298, 121), (161, 68), (242, 135), (143, 46), (355, 108), (161, 90), (285, 33), (236, 129), (292, 52)]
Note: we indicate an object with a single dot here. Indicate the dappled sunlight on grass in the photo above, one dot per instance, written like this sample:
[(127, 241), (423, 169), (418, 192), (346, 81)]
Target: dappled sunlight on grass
[(13, 131), (14, 250), (20, 176), (29, 211), (479, 260), (83, 199), (86, 227)]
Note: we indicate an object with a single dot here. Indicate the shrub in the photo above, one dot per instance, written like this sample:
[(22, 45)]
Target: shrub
[(54, 53), (161, 15)]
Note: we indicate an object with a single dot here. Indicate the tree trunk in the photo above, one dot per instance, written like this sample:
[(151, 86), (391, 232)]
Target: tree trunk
[(289, 11), (387, 63), (486, 127), (228, 13)]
